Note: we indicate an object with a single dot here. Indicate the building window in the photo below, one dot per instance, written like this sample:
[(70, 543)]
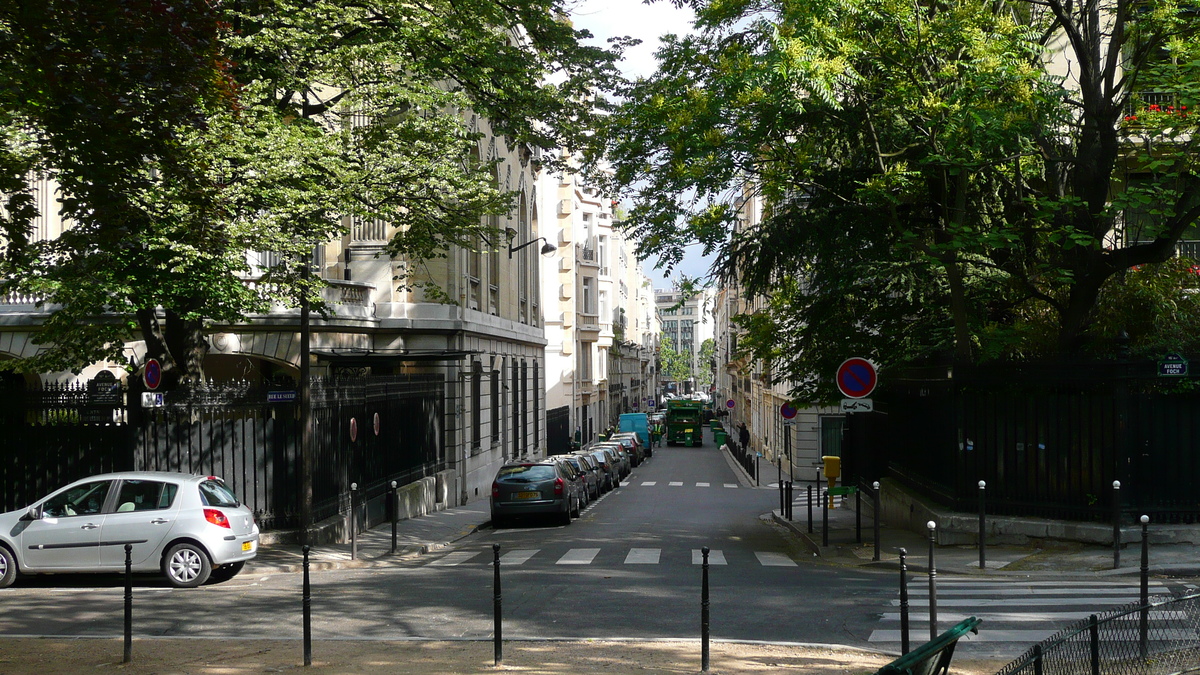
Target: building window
[(476, 404), (589, 296), (495, 403)]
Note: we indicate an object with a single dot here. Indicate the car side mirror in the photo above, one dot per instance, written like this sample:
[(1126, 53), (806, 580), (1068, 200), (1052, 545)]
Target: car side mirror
[(34, 513)]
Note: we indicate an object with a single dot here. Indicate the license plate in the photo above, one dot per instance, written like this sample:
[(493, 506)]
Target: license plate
[(529, 495), (247, 545)]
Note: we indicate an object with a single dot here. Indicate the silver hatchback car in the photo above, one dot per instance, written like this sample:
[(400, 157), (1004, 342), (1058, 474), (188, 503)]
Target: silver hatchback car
[(191, 528)]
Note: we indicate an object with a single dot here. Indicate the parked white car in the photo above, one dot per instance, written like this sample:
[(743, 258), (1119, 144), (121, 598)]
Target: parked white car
[(191, 528)]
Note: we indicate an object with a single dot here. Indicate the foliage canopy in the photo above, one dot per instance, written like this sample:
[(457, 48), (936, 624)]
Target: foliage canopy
[(950, 180), (184, 135)]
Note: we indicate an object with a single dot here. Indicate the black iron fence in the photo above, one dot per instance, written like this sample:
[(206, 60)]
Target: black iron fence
[(1160, 637), (1049, 439), (370, 431)]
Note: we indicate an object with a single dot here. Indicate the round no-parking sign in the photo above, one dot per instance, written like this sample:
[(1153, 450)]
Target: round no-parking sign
[(856, 377)]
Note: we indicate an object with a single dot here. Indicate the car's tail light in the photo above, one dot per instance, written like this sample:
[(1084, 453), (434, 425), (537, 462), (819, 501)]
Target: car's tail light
[(496, 489), (558, 486), (216, 518)]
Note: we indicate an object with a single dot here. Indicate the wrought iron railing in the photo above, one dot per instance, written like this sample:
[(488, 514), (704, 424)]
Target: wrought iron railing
[(1161, 637)]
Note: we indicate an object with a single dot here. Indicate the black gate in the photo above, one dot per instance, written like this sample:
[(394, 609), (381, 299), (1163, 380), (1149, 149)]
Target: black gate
[(558, 431), (370, 431), (1049, 439)]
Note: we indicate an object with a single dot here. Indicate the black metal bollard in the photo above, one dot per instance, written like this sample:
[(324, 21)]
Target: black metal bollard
[(394, 511), (353, 521), (789, 501), (903, 603), (307, 609), (1144, 618), (756, 469), (878, 517), (497, 616), (825, 518), (782, 497), (1116, 524), (982, 526), (932, 584), (810, 495), (704, 611), (1094, 643), (128, 657)]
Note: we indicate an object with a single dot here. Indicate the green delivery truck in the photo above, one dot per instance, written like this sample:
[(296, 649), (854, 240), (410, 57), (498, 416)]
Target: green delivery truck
[(684, 424)]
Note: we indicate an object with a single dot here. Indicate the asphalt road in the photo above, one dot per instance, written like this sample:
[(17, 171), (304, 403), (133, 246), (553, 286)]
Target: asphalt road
[(641, 581)]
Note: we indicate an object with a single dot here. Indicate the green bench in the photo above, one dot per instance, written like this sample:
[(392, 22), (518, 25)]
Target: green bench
[(933, 657)]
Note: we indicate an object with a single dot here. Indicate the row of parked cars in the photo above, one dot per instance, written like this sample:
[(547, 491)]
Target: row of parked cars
[(561, 486)]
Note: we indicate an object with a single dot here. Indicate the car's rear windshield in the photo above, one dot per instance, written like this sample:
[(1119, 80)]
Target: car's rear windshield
[(528, 471), (214, 493)]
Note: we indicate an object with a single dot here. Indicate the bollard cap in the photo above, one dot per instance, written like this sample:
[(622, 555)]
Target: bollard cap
[(902, 551), (354, 486), (304, 548), (1116, 485), (982, 484), (931, 525), (495, 547), (704, 550), (875, 485), (1144, 519), (393, 485)]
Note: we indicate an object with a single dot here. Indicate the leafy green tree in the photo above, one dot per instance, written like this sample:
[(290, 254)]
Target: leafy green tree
[(674, 365), (185, 135), (704, 364), (930, 183)]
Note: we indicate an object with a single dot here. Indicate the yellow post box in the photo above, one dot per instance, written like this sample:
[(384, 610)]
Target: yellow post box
[(833, 469)]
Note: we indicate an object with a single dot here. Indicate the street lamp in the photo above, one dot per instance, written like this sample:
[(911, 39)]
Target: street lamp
[(547, 248)]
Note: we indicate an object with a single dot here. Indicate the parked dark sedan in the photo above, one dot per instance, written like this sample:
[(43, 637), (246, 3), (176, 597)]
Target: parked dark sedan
[(535, 488)]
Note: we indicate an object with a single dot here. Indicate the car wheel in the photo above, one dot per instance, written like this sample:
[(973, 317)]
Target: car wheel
[(227, 572), (498, 522), (565, 518), (8, 568), (578, 506), (186, 566)]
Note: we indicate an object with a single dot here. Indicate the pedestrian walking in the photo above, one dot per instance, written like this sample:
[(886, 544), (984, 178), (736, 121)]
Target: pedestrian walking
[(744, 437)]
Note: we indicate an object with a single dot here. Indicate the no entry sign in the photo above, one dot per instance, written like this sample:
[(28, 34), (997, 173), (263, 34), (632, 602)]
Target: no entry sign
[(856, 377)]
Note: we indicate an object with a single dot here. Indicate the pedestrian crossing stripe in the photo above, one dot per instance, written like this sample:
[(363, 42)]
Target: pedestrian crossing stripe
[(771, 559), (455, 558), (579, 556), (714, 557), (1014, 611), (587, 556), (643, 556)]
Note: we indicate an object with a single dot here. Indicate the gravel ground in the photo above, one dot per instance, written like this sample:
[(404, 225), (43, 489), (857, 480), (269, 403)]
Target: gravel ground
[(223, 657)]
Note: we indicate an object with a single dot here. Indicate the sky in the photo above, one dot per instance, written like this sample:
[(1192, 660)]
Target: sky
[(646, 22)]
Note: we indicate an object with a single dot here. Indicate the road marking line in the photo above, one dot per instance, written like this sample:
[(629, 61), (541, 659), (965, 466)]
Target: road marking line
[(578, 556), (731, 485), (675, 483), (701, 484), (643, 556), (649, 483)]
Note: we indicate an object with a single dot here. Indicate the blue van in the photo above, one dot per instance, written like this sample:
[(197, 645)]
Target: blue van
[(638, 423)]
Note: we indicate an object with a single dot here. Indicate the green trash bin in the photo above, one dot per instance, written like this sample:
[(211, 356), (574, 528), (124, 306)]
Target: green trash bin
[(719, 437)]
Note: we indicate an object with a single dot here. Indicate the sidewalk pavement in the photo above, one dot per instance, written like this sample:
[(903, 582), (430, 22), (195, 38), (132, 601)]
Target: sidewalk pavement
[(1041, 558), (414, 537)]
